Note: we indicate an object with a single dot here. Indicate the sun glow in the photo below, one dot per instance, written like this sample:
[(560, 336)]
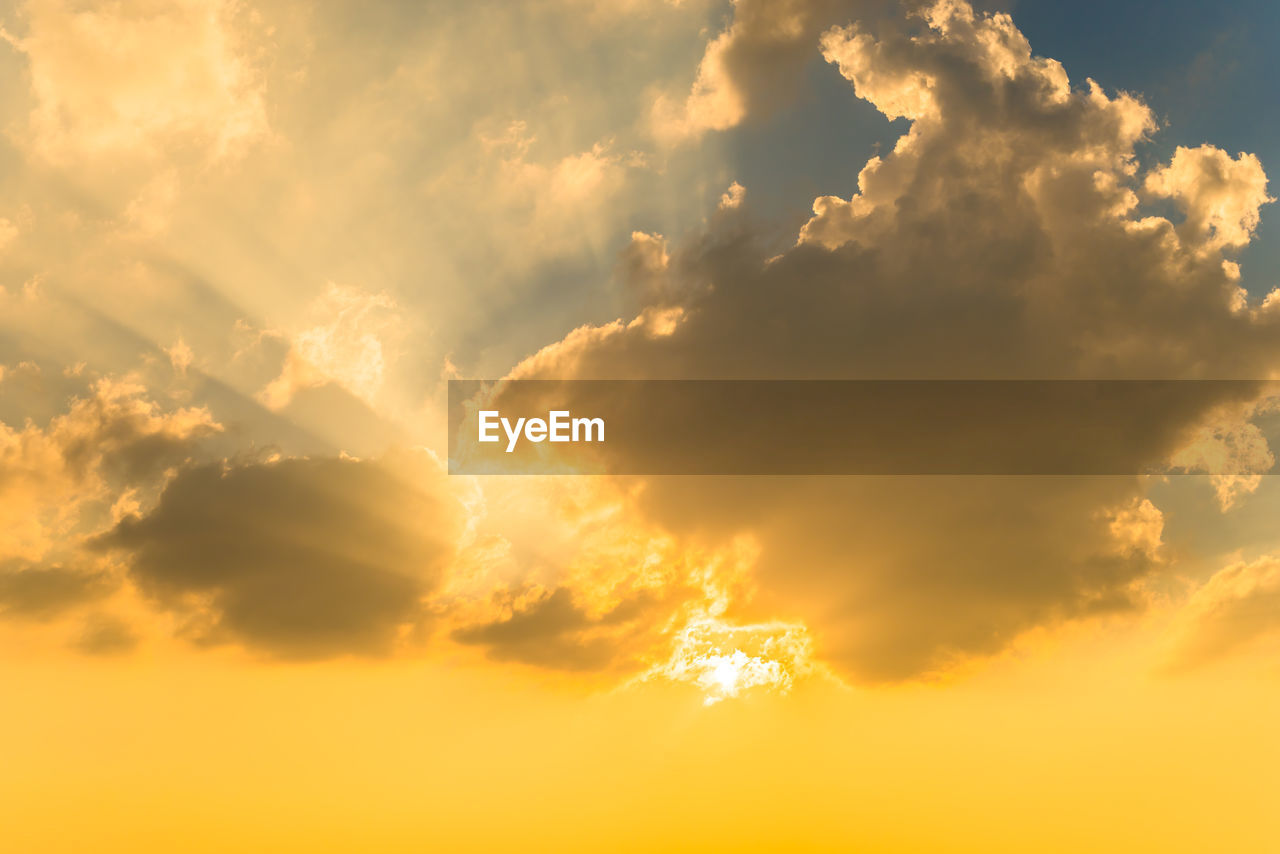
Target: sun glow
[(726, 661)]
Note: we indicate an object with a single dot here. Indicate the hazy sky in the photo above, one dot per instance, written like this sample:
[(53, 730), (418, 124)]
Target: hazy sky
[(243, 247)]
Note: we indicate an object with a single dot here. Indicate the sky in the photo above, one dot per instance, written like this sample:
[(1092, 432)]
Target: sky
[(245, 246)]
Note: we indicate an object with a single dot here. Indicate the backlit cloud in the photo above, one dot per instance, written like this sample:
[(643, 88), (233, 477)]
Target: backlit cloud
[(726, 661), (1002, 237), (112, 438), (1220, 196)]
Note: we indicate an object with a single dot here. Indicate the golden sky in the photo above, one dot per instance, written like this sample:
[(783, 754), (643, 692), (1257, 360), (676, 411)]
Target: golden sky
[(245, 246)]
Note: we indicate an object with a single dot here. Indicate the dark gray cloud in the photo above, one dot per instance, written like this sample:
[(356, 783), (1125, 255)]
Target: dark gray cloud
[(300, 558), (45, 592), (903, 576), (555, 632)]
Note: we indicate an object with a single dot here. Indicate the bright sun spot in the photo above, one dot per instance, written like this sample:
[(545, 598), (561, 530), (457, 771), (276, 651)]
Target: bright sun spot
[(726, 661)]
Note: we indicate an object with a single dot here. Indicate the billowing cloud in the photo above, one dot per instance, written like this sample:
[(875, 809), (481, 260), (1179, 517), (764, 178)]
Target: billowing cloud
[(113, 437), (1010, 232), (120, 432), (1220, 196), (299, 557), (1002, 237)]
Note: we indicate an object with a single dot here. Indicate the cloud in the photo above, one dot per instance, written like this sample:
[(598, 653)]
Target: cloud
[(111, 438), (46, 592), (8, 233), (645, 265), (139, 78), (104, 634), (1002, 237), (180, 356), (540, 197), (550, 631), (733, 197), (1237, 607), (752, 67), (119, 432), (344, 341), (1233, 448), (305, 558), (561, 573), (1221, 197), (727, 661), (1138, 527)]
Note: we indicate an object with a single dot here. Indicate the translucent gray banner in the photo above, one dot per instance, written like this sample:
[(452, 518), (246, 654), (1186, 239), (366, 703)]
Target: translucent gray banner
[(857, 427)]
